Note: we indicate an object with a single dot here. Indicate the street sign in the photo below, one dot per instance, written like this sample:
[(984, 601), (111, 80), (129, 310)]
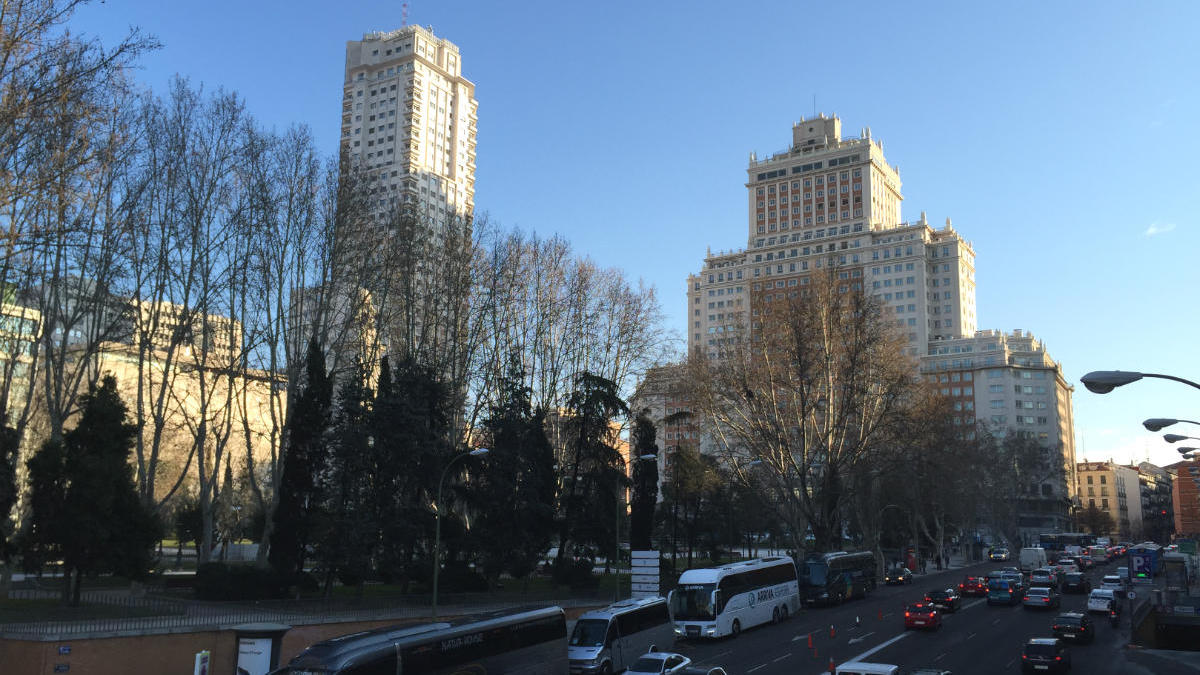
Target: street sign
[(1141, 565), (1131, 595)]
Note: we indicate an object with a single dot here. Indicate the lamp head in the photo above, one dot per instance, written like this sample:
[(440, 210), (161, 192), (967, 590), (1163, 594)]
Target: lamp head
[(1173, 438), (1104, 381), (479, 452), (647, 457), (1158, 423)]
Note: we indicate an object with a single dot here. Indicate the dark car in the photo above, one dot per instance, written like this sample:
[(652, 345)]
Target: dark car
[(1045, 655), (694, 669), (1076, 582), (973, 585), (898, 575), (1074, 627), (944, 598)]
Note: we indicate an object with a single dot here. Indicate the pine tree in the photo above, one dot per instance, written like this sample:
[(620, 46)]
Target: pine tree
[(9, 446), (85, 506), (645, 485), (305, 455)]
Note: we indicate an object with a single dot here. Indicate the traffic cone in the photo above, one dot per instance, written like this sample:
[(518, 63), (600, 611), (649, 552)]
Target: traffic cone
[(832, 633), (880, 615), (832, 666), (815, 653), (810, 641), (857, 621)]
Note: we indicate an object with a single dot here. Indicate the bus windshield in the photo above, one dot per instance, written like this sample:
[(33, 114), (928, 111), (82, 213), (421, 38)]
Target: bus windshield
[(816, 573), (693, 602), (589, 633)]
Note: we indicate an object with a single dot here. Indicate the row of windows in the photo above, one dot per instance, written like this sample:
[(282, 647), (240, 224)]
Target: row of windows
[(811, 234)]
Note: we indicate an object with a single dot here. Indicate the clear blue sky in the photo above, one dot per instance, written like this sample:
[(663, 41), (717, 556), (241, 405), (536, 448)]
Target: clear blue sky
[(1059, 137)]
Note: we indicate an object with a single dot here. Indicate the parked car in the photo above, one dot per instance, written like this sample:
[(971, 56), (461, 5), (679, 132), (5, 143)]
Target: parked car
[(998, 554), (922, 615), (658, 663), (1076, 582), (944, 598), (1075, 627), (1045, 655), (898, 575), (973, 585), (1040, 597)]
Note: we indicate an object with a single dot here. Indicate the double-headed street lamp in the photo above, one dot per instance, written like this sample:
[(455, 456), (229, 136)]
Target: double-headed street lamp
[(437, 518)]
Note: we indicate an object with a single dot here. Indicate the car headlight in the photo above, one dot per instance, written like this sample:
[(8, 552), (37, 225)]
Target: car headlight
[(824, 595), (711, 631)]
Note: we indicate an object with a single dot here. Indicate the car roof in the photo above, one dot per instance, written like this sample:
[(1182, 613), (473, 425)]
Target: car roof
[(1042, 641), (1074, 615)]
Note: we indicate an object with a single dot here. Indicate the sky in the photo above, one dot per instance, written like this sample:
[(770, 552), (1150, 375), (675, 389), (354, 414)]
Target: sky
[(1058, 137)]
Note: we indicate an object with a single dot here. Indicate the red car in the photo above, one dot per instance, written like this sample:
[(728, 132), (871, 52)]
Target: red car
[(921, 615), (973, 586)]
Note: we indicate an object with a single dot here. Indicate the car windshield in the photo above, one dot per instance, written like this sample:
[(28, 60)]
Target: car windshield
[(937, 594), (816, 573), (920, 609), (1074, 576), (647, 665), (1068, 620), (589, 633), (998, 585), (1038, 590)]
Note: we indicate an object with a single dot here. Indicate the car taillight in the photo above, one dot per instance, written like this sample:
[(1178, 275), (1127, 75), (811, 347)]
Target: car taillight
[(1045, 599), (1058, 658), (1056, 626), (906, 615), (1024, 657)]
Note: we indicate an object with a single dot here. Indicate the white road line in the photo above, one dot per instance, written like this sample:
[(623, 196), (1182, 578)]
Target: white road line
[(785, 656), (997, 621), (970, 635), (940, 656), (758, 667), (1009, 664), (876, 648)]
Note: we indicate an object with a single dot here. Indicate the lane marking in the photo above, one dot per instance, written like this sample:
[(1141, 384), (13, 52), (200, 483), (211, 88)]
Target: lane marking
[(872, 650), (1009, 664), (939, 658), (758, 667), (971, 635), (860, 639), (785, 656), (996, 622)]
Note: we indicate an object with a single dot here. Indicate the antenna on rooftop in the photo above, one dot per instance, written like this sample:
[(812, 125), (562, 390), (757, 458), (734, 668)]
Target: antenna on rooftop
[(403, 14)]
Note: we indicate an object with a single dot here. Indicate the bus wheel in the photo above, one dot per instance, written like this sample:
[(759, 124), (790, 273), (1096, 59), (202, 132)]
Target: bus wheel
[(606, 669), (775, 615), (736, 629), (783, 613)]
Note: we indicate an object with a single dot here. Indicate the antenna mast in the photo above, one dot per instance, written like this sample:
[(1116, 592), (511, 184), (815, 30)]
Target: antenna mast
[(403, 14)]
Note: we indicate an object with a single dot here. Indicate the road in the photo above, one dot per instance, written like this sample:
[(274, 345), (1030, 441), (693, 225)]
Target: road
[(976, 640)]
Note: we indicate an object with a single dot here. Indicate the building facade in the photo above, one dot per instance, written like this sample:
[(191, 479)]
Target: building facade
[(1008, 383), (1185, 497), (1156, 486), (409, 121), (1114, 489)]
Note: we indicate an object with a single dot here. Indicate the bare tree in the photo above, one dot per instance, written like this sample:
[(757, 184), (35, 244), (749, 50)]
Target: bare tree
[(808, 393)]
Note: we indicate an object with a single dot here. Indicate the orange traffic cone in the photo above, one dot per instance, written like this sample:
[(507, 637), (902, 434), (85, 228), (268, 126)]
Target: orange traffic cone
[(810, 641), (881, 615), (832, 666), (832, 633)]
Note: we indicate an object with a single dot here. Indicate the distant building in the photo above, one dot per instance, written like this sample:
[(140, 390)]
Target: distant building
[(1114, 489), (1185, 497), (1158, 512)]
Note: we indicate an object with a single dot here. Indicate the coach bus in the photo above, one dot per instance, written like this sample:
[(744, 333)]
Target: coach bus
[(530, 641), (1066, 541), (718, 601), (832, 578)]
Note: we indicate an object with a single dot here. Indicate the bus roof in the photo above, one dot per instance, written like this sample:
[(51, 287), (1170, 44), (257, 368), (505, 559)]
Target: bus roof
[(711, 575)]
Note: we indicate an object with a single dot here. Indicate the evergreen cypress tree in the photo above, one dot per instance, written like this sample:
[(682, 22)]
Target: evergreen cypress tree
[(86, 508), (9, 446), (304, 457), (645, 485)]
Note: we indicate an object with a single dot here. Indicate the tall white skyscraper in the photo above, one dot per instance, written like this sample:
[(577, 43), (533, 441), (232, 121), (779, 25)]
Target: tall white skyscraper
[(409, 120)]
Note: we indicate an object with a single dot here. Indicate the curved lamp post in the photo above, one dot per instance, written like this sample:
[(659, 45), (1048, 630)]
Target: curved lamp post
[(617, 531), (1104, 381), (1159, 423), (437, 519), (1175, 438)]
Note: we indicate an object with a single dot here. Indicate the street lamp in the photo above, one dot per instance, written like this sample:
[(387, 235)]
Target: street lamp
[(1186, 449), (1175, 438), (1104, 381), (617, 530), (437, 519), (1158, 423)]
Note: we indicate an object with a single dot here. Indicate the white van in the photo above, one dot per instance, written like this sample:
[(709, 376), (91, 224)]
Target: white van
[(1099, 599), (864, 668), (608, 640), (1032, 558)]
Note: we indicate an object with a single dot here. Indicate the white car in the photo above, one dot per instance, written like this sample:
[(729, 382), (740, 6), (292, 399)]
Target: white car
[(1112, 582), (658, 663), (1100, 598)]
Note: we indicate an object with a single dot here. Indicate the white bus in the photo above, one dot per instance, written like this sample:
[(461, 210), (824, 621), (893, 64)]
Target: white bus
[(719, 601), (609, 640)]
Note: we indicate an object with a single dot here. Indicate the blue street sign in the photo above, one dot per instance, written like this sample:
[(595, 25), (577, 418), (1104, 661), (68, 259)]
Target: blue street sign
[(1141, 565)]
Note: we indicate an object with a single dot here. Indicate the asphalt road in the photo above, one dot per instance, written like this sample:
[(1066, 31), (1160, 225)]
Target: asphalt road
[(976, 640)]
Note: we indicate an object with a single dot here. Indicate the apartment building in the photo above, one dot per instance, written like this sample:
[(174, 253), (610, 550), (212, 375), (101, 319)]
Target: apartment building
[(1156, 486), (409, 120), (1114, 489), (1009, 383), (1185, 497)]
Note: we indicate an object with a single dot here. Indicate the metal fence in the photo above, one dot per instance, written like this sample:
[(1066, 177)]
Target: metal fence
[(154, 613)]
